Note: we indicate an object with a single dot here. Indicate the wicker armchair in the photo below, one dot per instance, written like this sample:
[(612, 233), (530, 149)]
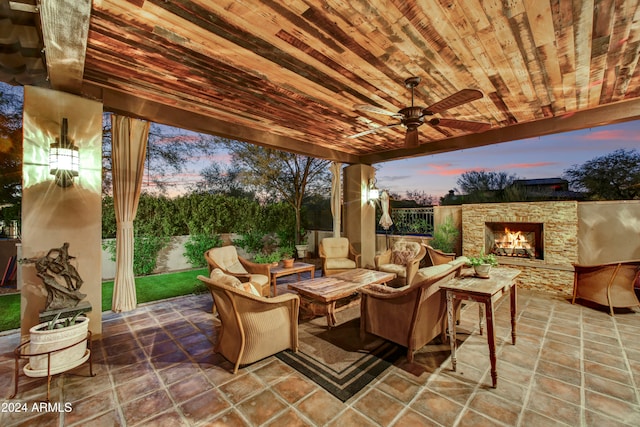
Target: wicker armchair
[(403, 260), (413, 315), (337, 255), (226, 258), (610, 284), (438, 257), (253, 327)]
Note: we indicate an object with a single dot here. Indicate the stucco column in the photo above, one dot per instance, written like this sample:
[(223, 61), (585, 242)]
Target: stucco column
[(53, 214), (359, 214)]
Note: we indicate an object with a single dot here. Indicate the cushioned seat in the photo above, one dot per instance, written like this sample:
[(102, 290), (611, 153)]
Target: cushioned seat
[(226, 258), (252, 327), (403, 259), (337, 255)]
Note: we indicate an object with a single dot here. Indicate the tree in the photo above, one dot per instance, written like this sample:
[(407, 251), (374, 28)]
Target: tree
[(483, 181), (221, 179), (168, 150), (10, 146), (422, 198), (615, 176), (286, 176)]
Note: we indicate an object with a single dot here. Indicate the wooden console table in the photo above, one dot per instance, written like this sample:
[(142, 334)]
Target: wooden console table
[(485, 292)]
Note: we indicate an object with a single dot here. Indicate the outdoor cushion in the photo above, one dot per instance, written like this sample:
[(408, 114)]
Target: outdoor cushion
[(460, 260), (336, 247), (225, 279), (432, 271), (405, 251), (339, 263), (227, 258), (399, 270)]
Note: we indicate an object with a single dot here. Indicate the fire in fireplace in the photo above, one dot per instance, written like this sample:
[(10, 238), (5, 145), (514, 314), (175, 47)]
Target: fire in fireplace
[(514, 239)]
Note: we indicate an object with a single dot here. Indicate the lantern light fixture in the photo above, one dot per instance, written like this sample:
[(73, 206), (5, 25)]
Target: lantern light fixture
[(64, 161), (374, 193)]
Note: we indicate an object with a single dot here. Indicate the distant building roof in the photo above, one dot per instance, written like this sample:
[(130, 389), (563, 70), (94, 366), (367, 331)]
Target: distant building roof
[(540, 181)]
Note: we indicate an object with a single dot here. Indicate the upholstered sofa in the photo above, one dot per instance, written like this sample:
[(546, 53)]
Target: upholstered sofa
[(252, 326), (403, 259), (610, 284), (412, 315)]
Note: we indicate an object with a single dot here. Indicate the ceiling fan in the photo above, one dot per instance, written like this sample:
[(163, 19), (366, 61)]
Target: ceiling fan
[(414, 116)]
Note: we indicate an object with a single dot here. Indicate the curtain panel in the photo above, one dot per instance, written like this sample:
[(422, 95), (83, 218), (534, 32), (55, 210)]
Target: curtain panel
[(129, 149)]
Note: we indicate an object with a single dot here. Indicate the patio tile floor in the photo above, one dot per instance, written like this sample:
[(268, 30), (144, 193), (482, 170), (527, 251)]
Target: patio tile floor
[(572, 366)]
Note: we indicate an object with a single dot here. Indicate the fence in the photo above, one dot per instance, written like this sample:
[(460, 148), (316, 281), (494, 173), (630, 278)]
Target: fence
[(410, 221)]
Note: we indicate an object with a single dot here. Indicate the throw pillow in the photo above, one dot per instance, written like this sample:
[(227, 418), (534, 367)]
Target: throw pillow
[(402, 257), (225, 279)]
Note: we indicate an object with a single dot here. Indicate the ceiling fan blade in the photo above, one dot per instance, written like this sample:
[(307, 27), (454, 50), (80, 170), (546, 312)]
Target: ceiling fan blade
[(367, 132), (461, 124), (458, 98), (411, 139), (377, 110)]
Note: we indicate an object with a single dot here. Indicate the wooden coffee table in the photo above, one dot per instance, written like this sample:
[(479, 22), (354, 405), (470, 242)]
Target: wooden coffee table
[(298, 267), (322, 295), (485, 292)]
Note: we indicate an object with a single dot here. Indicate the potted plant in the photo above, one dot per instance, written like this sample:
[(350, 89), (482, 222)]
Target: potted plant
[(63, 339), (482, 264), (302, 247), (286, 254)]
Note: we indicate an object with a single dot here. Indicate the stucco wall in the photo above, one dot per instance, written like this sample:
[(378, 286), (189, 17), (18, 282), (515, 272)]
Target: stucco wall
[(608, 231)]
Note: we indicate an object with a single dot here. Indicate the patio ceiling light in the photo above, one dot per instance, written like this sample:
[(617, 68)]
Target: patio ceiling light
[(64, 161), (374, 193)]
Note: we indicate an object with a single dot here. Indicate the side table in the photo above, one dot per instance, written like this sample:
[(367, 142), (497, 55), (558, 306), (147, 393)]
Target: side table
[(485, 292)]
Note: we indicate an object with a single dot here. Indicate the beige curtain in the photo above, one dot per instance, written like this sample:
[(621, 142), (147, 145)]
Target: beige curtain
[(336, 196), (385, 219), (129, 148)]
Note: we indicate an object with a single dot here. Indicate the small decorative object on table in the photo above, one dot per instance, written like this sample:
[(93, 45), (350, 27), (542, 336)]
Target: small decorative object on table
[(482, 264), (286, 253)]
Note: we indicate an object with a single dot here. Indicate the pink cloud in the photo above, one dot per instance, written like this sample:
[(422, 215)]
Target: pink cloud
[(612, 135), (445, 170)]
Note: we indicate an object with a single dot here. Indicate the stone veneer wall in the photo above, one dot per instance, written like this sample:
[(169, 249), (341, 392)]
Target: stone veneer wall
[(560, 219)]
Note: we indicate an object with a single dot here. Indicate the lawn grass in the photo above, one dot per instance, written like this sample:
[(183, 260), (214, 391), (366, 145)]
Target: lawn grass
[(148, 288)]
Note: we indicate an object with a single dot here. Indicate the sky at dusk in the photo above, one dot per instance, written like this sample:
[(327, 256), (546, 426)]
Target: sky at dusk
[(541, 157)]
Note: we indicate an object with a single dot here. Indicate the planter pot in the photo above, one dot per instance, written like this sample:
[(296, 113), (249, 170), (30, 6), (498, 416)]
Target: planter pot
[(482, 270), (287, 263), (43, 341), (302, 250)]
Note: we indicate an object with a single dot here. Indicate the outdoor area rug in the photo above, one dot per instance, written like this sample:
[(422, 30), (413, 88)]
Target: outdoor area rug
[(336, 359)]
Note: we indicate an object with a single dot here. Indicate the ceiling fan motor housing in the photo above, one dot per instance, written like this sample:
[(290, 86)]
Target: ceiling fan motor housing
[(412, 117)]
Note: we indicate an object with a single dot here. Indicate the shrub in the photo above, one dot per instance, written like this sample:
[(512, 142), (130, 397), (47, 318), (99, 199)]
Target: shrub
[(145, 252), (197, 245), (445, 236)]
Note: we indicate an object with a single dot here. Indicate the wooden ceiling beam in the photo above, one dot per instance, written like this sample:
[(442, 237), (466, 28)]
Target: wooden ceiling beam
[(126, 104), (608, 114), (65, 30)]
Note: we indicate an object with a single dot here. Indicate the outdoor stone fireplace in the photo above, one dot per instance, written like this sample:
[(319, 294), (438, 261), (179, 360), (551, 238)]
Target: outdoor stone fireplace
[(539, 238)]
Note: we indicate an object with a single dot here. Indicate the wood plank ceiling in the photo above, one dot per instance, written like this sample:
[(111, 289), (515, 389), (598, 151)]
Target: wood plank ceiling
[(287, 74)]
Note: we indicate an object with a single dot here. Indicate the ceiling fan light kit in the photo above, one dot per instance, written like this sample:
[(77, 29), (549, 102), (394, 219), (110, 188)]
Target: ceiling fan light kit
[(413, 116)]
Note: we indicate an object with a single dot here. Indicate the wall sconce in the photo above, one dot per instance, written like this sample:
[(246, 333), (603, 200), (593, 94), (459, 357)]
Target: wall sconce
[(64, 162), (374, 193)]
